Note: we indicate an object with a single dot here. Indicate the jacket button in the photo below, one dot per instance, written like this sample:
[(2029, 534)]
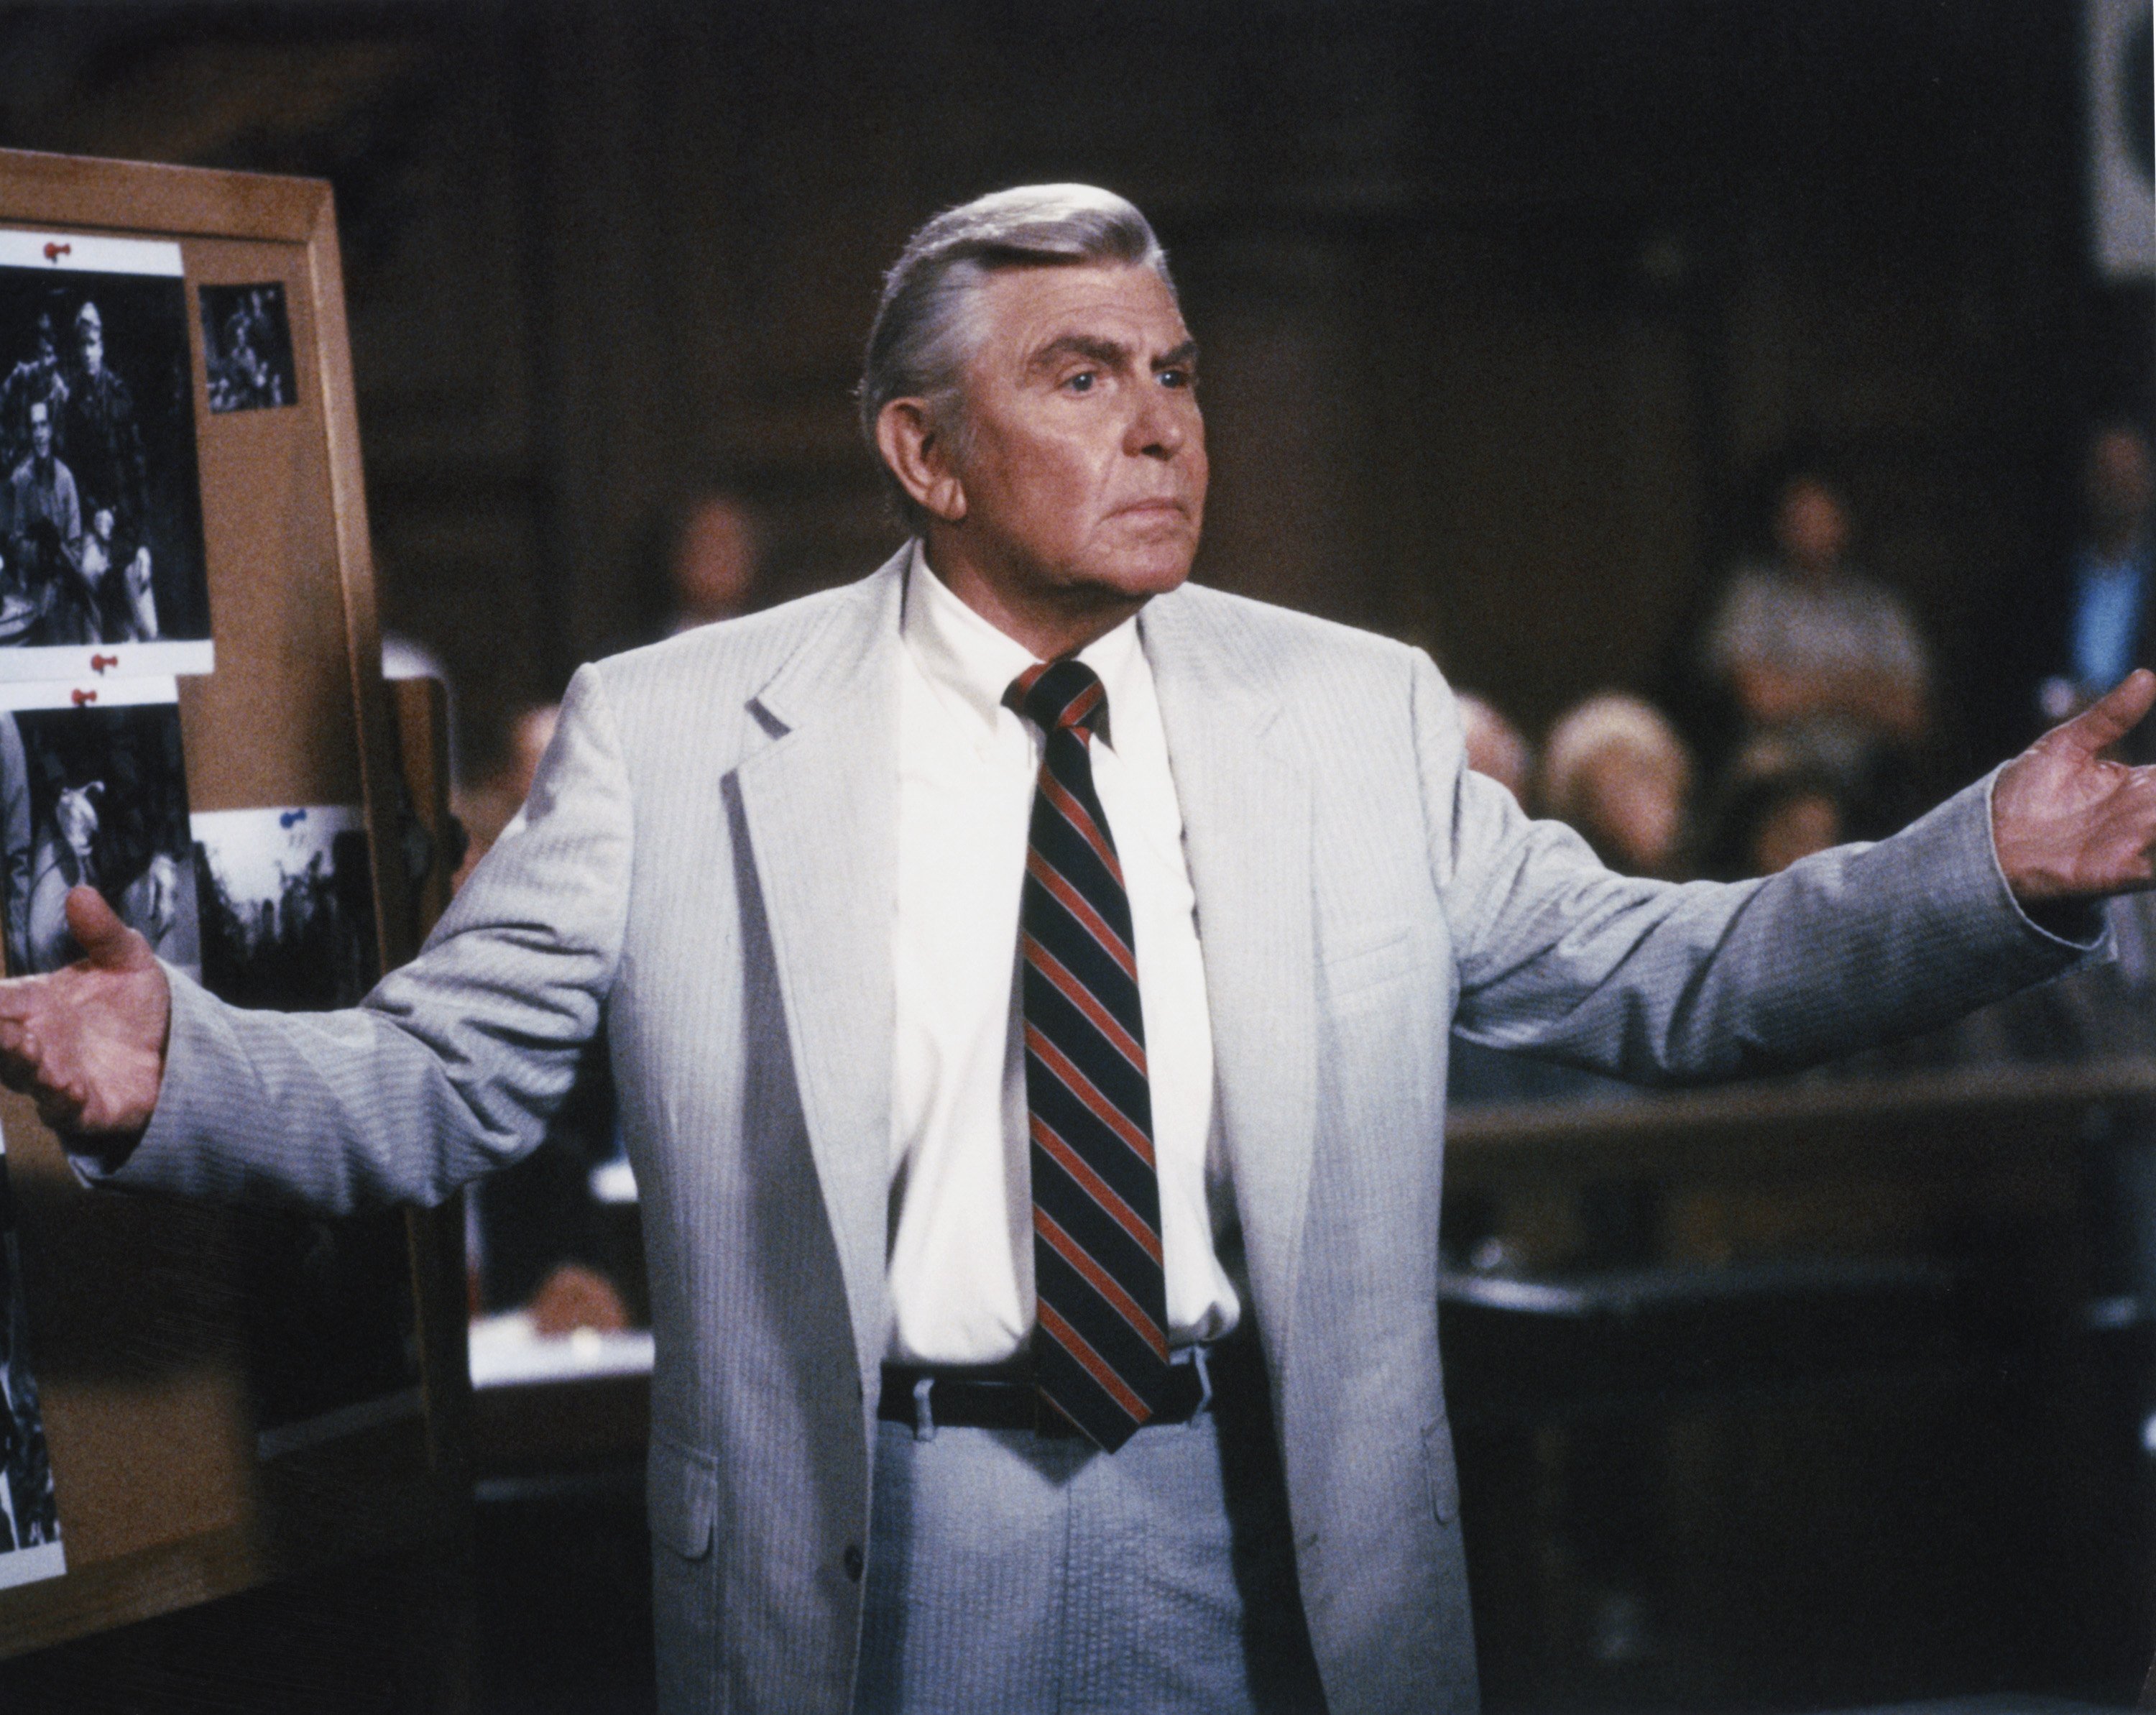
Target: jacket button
[(851, 1560)]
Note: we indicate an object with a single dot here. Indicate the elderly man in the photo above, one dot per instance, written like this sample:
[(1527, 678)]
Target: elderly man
[(1027, 982)]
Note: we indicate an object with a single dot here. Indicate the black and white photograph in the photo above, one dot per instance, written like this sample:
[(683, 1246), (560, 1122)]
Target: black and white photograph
[(287, 913), (93, 792), (287, 906), (105, 571), (247, 347), (29, 1511)]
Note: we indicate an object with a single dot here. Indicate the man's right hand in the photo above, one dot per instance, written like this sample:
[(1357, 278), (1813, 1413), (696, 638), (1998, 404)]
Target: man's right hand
[(87, 1042)]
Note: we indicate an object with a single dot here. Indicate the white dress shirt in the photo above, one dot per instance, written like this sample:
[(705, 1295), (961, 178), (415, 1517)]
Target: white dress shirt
[(962, 1235)]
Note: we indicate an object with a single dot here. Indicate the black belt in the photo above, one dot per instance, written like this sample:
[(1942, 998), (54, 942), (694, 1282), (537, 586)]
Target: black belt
[(924, 1399)]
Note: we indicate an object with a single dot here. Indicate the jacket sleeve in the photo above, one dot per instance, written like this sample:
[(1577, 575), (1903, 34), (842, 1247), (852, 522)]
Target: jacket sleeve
[(1661, 983), (454, 1063)]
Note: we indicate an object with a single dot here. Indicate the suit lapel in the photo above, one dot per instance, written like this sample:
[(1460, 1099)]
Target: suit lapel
[(821, 805), (1244, 794)]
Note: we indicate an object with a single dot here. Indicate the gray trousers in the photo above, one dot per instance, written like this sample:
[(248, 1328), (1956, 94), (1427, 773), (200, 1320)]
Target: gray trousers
[(1013, 1575)]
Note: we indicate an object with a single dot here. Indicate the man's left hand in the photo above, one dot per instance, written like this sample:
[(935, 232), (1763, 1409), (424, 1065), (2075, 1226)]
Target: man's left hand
[(2070, 822)]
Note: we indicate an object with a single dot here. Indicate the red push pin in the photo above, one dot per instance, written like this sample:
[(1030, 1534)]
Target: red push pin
[(85, 696), (54, 251), (98, 663)]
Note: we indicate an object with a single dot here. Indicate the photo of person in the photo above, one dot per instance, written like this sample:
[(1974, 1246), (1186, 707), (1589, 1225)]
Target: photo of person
[(29, 1510), (102, 566), (287, 906), (247, 343), (95, 796)]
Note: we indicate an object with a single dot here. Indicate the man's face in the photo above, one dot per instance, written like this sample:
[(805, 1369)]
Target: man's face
[(715, 565), (41, 430), (1083, 456), (89, 340), (1811, 526)]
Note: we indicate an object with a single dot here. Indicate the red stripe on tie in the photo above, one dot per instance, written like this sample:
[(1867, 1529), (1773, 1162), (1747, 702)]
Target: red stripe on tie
[(1096, 1188), (1081, 821), (1080, 996), (1071, 1341), (1075, 711), (1073, 901), (1079, 1084), (1100, 1280)]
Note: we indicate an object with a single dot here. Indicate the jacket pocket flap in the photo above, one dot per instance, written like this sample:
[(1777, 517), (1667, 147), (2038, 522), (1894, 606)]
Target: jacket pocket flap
[(682, 1497), (1369, 962)]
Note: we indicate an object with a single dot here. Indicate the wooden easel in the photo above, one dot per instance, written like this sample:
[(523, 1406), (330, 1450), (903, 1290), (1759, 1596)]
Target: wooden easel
[(164, 1503)]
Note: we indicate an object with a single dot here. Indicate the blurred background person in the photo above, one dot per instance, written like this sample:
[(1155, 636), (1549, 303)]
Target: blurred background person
[(1806, 648), (700, 558), (2108, 621), (485, 806), (1495, 747), (716, 556), (1616, 770), (1775, 807)]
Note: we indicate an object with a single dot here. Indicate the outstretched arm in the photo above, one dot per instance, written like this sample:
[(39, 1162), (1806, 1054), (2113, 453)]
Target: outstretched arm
[(1659, 984), (453, 1065)]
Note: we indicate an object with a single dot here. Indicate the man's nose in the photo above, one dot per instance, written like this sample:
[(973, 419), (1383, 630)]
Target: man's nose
[(1157, 428)]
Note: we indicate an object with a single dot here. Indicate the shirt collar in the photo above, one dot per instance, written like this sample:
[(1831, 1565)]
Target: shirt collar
[(972, 663)]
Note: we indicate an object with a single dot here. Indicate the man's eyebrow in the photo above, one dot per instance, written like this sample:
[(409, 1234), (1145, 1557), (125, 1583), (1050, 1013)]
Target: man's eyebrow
[(1182, 358), (1111, 354)]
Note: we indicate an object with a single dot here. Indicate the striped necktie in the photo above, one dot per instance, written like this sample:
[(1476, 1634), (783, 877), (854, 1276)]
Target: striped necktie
[(1099, 1342)]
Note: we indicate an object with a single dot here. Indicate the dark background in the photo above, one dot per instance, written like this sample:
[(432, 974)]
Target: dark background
[(1504, 305)]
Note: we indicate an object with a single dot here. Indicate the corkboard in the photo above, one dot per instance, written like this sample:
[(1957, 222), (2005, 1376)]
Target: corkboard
[(136, 1307)]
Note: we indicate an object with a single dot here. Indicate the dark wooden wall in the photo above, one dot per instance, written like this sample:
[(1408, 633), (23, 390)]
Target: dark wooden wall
[(1503, 305)]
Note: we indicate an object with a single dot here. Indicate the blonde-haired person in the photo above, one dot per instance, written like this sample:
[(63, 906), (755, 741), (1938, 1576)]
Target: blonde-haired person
[(1495, 747), (1616, 770)]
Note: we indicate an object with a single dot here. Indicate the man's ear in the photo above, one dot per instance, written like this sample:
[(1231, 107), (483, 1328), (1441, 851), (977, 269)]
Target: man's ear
[(918, 452)]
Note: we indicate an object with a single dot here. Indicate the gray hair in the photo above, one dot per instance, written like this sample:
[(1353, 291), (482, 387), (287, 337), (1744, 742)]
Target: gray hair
[(922, 336)]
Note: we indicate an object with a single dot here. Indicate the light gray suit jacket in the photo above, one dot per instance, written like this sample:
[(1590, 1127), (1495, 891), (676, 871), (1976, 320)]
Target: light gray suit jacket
[(705, 868)]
